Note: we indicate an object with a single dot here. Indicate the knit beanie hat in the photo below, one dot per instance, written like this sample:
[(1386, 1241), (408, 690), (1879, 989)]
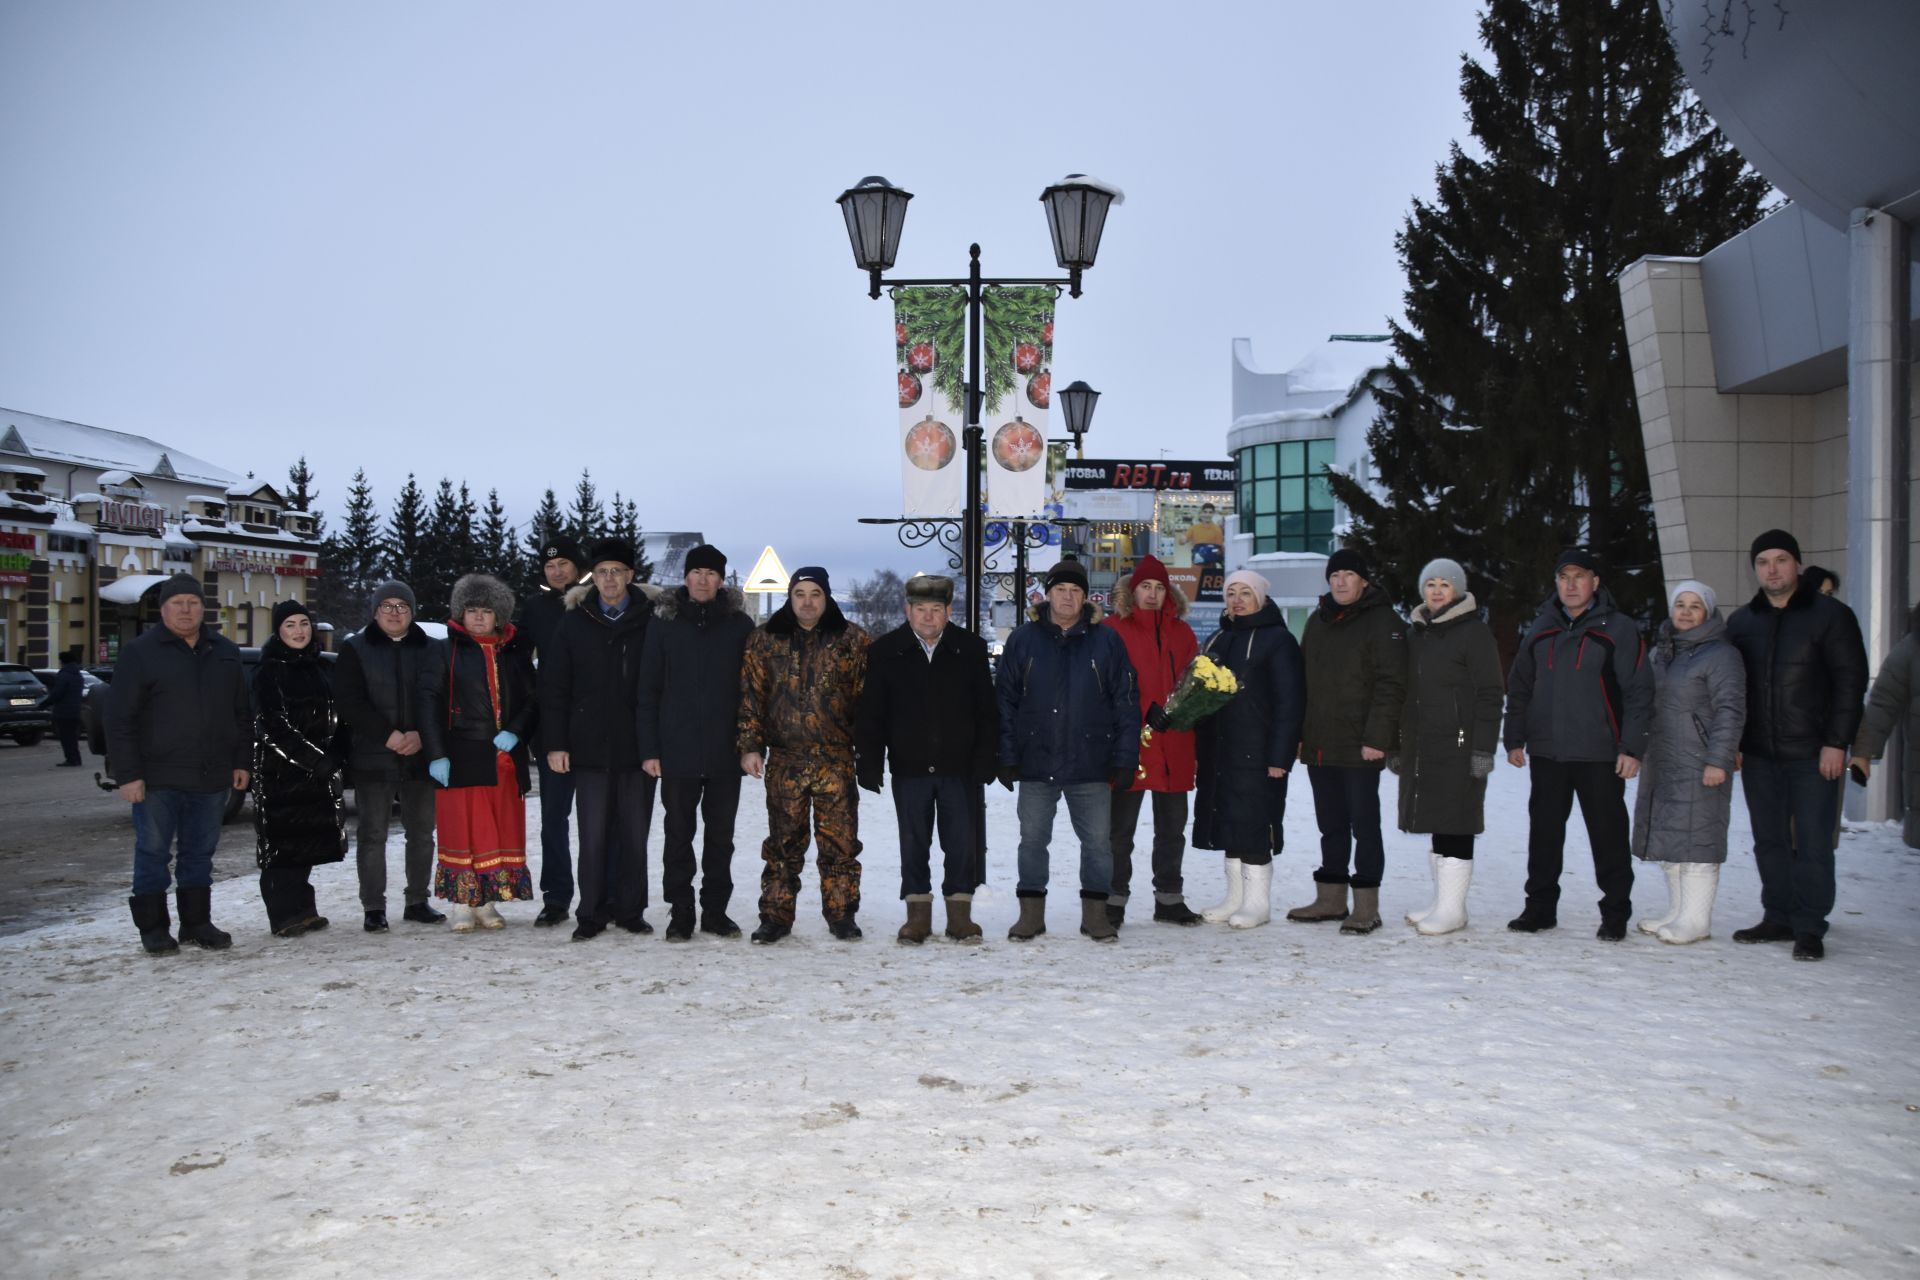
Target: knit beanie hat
[(1068, 573), (1448, 571), (1349, 560), (1149, 570), (180, 584), (287, 609), (1775, 540), (1698, 588), (810, 573), (705, 556), (563, 548), (1247, 577), (394, 589)]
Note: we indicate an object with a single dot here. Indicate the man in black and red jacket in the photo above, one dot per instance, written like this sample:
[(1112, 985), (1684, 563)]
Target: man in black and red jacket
[(1580, 704)]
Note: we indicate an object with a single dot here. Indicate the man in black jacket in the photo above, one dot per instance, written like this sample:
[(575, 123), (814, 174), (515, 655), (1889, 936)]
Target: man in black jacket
[(376, 685), (1580, 700), (590, 673), (560, 562), (686, 706), (180, 737), (928, 709), (1806, 678), (64, 700)]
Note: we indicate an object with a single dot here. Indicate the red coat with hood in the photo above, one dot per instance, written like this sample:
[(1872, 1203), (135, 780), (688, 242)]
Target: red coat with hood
[(1160, 646)]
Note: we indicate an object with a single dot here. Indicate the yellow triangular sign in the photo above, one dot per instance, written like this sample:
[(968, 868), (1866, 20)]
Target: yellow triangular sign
[(769, 576)]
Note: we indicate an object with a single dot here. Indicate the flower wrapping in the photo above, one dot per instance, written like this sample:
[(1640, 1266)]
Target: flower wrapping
[(1203, 688)]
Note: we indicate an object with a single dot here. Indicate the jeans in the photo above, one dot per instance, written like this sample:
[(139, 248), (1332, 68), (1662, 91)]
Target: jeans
[(1603, 805), (1090, 807), (918, 804), (1169, 841), (716, 801), (1346, 803), (556, 848), (1793, 810), (373, 798), (190, 817)]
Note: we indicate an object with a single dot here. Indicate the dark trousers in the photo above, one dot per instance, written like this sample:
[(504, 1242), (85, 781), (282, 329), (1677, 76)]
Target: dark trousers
[(615, 812), (1793, 810), (1447, 846), (556, 848), (716, 801), (67, 729), (373, 798), (921, 804), (1169, 841), (288, 893), (1346, 802), (1603, 806)]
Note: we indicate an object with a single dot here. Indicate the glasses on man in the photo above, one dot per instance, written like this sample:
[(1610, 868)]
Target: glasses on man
[(394, 607)]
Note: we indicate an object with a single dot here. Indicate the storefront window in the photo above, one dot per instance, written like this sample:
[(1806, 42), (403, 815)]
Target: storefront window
[(1285, 501)]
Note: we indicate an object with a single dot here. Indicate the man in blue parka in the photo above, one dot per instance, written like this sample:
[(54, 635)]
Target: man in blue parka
[(1069, 726)]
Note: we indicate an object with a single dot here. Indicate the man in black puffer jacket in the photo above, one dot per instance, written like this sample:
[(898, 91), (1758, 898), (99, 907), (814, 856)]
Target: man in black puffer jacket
[(1580, 702), (588, 681), (686, 708), (1806, 679), (560, 565)]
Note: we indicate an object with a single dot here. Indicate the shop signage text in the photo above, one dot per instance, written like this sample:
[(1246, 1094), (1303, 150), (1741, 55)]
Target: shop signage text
[(16, 559), (230, 565), (1111, 473), (133, 515)]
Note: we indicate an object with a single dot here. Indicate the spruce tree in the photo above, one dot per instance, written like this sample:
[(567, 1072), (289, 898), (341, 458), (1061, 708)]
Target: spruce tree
[(353, 561), (585, 518), (406, 537), (1508, 428), (448, 550), (495, 550)]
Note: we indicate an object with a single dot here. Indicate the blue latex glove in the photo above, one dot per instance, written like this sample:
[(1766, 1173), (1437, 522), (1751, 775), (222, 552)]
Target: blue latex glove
[(504, 741), (440, 770)]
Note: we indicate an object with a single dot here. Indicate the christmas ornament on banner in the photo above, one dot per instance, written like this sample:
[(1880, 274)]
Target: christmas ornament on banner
[(1018, 355), (929, 338)]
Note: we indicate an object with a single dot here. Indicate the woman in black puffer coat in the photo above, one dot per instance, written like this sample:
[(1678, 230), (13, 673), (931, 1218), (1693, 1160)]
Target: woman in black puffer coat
[(298, 810)]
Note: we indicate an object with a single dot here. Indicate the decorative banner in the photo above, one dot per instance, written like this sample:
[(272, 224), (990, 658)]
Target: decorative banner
[(930, 341), (1018, 345)]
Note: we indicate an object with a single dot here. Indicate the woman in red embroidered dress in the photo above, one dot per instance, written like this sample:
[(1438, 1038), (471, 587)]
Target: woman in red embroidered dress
[(477, 711)]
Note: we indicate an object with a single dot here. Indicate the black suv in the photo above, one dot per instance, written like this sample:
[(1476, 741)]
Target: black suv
[(23, 705)]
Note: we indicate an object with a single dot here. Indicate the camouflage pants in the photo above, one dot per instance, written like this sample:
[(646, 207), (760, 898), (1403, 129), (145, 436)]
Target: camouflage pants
[(797, 784)]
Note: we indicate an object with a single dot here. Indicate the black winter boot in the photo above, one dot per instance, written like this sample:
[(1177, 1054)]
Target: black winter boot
[(719, 924), (1175, 912), (770, 932), (150, 918), (196, 919)]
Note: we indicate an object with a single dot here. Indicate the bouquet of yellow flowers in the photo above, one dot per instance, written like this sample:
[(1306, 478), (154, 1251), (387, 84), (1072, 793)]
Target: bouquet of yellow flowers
[(1203, 688)]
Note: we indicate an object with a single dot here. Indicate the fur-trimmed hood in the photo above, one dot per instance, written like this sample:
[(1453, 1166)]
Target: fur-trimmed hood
[(832, 622), (1091, 614), (1123, 599), (1466, 606), (481, 591), (579, 591), (668, 604)]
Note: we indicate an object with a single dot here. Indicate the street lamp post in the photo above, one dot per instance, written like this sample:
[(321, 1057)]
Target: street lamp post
[(876, 211)]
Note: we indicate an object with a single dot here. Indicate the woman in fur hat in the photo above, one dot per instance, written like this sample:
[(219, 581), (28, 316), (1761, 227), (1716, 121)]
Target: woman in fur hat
[(298, 809), (477, 709)]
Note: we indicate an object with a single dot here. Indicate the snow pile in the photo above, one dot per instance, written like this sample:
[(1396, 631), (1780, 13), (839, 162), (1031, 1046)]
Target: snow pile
[(1187, 1102)]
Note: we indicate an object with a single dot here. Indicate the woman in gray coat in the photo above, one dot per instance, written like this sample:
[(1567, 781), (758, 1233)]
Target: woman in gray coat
[(1686, 797), (1449, 729), (1896, 700)]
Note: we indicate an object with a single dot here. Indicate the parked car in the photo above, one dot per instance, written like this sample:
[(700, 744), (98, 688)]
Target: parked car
[(93, 721), (23, 705), (87, 679)]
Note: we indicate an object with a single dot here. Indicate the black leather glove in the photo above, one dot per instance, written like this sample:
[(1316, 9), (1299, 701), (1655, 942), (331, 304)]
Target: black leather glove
[(1008, 776), (1122, 779), (1157, 718)]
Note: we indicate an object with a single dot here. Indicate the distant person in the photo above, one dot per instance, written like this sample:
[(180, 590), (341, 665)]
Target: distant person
[(64, 700), (476, 710), (688, 705), (1895, 701), (1825, 581), (927, 711), (1248, 747), (1579, 705), (299, 805), (1449, 733), (589, 678), (562, 566), (1806, 675), (1355, 650), (377, 683), (1069, 730), (180, 739), (1149, 616), (1685, 798), (800, 685)]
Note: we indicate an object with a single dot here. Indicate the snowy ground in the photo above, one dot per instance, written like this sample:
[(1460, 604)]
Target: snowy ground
[(1190, 1102)]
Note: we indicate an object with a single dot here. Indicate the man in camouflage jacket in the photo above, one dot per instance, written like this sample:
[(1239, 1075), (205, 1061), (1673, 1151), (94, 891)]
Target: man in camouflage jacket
[(799, 688)]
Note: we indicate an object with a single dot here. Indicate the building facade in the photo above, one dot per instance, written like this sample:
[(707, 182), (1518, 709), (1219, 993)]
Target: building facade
[(92, 520)]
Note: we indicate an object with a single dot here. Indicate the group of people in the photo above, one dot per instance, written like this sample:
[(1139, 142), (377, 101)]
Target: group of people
[(617, 696)]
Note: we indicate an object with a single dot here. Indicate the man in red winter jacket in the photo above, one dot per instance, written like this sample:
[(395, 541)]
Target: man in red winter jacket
[(1147, 613)]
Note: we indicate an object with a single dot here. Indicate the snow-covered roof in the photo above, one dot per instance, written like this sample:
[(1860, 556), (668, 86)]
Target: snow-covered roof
[(207, 498), (1320, 383), (86, 497), (1340, 363), (249, 488), (20, 469), (73, 442), (119, 477)]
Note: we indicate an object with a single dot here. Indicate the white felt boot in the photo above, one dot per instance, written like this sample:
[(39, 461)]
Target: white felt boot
[(1673, 900), (462, 921), (1236, 886), (488, 917), (1433, 869), (1699, 882), (1449, 914), (1256, 900)]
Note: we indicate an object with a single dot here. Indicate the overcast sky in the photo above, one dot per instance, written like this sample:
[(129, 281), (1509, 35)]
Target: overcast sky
[(499, 242)]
